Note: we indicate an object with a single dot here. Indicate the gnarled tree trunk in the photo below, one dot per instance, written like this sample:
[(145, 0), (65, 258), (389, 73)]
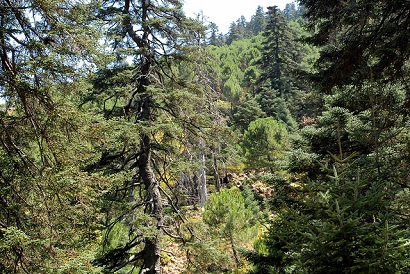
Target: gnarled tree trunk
[(151, 253)]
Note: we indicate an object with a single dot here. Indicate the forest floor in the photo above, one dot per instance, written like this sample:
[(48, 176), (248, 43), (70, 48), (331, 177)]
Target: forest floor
[(175, 254)]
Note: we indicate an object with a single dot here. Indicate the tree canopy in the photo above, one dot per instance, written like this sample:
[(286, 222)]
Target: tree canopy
[(362, 40), (137, 140)]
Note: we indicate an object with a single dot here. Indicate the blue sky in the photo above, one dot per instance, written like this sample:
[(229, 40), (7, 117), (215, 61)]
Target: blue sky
[(224, 12)]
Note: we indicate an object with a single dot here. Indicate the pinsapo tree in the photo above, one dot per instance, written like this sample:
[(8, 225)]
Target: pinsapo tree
[(163, 116), (41, 45), (347, 213)]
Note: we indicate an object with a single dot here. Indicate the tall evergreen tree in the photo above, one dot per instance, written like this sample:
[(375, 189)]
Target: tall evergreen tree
[(214, 38), (41, 44), (258, 21), (264, 143), (161, 110), (233, 33), (278, 62), (294, 12), (348, 213)]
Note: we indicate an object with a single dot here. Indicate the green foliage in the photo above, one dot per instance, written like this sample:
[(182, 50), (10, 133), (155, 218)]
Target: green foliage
[(293, 12), (160, 107), (241, 29), (232, 217), (205, 256), (264, 143), (280, 89), (235, 67), (343, 213), (12, 238), (338, 225), (215, 38), (360, 41), (45, 182), (258, 21), (251, 74), (80, 264), (107, 139), (299, 160), (226, 213), (232, 90), (44, 138), (275, 106), (245, 113), (237, 31)]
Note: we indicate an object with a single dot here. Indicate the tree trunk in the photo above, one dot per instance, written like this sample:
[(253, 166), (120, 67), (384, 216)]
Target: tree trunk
[(151, 253), (202, 190), (235, 254), (217, 179), (152, 250)]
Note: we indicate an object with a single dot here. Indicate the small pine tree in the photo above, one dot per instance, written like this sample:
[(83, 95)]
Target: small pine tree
[(230, 218)]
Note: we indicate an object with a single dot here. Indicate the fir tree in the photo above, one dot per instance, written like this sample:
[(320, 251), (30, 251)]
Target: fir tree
[(278, 65), (264, 143), (258, 22), (214, 38), (40, 47), (360, 41), (346, 214), (163, 116)]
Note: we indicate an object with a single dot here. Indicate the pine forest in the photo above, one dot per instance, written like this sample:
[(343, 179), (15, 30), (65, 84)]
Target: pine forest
[(136, 139)]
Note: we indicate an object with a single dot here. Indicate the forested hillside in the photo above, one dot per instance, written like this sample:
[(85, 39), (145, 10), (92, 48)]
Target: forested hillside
[(137, 140)]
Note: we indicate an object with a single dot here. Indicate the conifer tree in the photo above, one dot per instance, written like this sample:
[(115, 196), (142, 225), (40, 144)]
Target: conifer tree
[(214, 38), (258, 22), (232, 218), (360, 41), (41, 45), (278, 64), (347, 212), (277, 61), (233, 33), (245, 113), (163, 118), (264, 143), (293, 12)]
